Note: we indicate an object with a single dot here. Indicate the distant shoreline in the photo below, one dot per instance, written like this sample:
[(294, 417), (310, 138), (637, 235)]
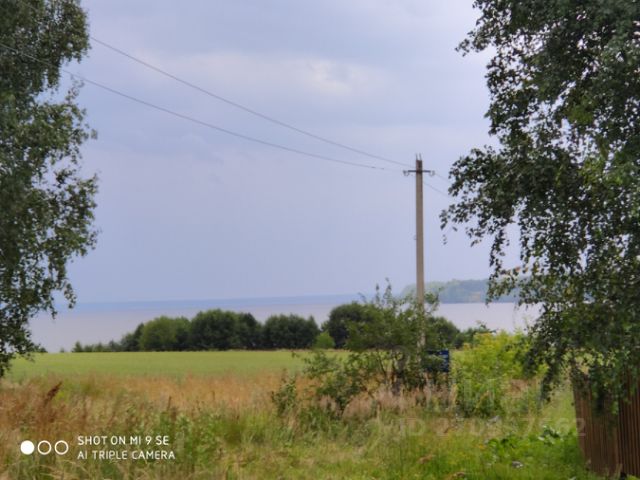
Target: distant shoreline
[(450, 292), (134, 305)]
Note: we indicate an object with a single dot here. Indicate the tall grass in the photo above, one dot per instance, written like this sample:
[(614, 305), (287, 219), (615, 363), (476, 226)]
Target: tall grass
[(227, 427)]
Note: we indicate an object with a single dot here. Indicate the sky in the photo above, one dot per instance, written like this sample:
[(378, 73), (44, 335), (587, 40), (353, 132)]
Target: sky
[(188, 212)]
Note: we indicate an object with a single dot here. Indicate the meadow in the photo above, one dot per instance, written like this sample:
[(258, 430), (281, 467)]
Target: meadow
[(170, 364), (216, 411)]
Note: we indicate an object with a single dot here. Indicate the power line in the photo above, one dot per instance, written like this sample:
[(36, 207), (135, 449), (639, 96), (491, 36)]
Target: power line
[(240, 106), (441, 177), (437, 190), (232, 103), (194, 120), (236, 104)]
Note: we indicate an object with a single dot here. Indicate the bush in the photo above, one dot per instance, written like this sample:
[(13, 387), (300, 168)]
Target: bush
[(398, 337), (324, 341), (389, 352), (468, 335), (286, 397), (340, 380), (484, 371)]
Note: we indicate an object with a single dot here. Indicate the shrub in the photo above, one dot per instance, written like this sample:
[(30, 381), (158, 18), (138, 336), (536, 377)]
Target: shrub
[(339, 380), (483, 373), (468, 335), (324, 341), (398, 337), (286, 397), (390, 351)]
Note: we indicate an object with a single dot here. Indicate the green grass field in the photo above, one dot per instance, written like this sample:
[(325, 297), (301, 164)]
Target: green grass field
[(216, 409), (173, 364)]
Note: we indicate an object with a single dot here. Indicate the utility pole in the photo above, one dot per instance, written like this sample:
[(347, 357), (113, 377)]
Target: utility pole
[(419, 235), (419, 230)]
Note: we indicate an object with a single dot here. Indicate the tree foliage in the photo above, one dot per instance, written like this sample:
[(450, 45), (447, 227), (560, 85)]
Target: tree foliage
[(130, 342), (485, 370), (324, 341), (289, 331), (164, 334), (564, 81), (340, 317), (215, 330), (46, 206), (399, 339)]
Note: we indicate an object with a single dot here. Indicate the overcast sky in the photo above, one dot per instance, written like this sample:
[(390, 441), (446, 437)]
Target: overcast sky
[(186, 212)]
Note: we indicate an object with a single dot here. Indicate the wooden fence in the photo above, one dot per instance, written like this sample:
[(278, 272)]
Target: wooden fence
[(610, 443)]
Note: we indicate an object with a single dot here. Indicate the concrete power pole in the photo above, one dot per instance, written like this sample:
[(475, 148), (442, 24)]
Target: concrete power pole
[(419, 234), (419, 230)]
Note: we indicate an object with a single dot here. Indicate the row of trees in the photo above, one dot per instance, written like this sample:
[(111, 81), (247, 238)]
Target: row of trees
[(214, 330), (226, 330)]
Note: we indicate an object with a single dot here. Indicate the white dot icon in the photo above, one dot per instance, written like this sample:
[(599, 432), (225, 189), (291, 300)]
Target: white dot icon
[(27, 447)]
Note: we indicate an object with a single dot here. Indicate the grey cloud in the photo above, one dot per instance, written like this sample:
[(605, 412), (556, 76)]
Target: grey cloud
[(187, 212)]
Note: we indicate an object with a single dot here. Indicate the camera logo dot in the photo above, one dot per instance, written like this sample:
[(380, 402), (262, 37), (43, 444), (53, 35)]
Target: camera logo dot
[(44, 447), (61, 447), (27, 447)]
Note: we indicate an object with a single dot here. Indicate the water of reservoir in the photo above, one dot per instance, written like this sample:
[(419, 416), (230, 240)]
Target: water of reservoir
[(93, 323)]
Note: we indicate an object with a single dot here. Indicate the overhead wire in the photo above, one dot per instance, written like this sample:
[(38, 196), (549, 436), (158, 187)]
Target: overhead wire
[(445, 179), (242, 107), (236, 105), (195, 120), (437, 190)]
